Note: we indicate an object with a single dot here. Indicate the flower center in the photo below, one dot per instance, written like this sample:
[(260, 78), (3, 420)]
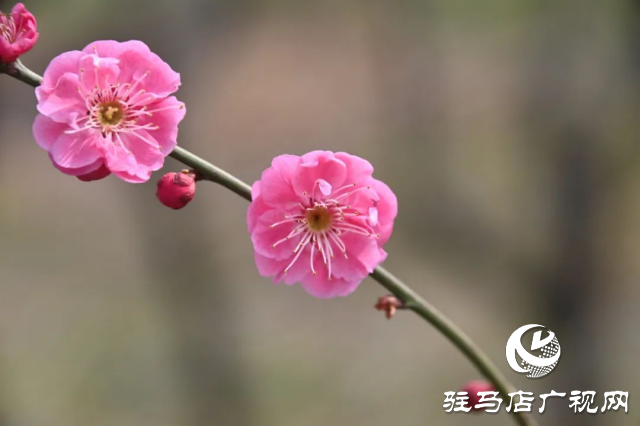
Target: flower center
[(119, 109), (320, 225), (7, 28), (111, 113), (318, 218)]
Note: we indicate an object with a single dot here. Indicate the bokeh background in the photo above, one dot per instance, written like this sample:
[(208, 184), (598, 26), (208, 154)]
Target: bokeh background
[(508, 130)]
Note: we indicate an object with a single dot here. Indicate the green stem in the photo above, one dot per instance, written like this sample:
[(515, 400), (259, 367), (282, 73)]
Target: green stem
[(212, 173), (22, 73), (410, 298)]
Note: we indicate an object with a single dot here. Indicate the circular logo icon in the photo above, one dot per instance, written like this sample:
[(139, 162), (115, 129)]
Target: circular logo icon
[(547, 348)]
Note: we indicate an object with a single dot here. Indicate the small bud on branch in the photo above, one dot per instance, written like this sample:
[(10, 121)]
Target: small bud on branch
[(176, 190), (389, 304)]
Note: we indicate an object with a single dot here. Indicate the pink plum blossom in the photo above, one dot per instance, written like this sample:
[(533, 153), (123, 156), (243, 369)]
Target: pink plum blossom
[(107, 109), (18, 33), (321, 220)]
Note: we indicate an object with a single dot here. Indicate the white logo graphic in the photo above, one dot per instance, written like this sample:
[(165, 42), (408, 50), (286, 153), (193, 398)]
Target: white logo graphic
[(536, 366)]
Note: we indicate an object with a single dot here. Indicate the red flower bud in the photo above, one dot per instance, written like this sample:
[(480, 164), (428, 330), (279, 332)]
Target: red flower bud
[(473, 388), (176, 190)]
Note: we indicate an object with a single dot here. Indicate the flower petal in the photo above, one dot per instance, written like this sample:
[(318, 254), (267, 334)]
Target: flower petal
[(170, 113), (98, 72), (46, 131), (324, 186), (315, 166), (97, 174), (255, 190), (134, 156), (359, 169), (373, 216), (145, 148), (79, 171), (127, 177), (67, 62), (321, 287), (268, 267), (387, 209), (138, 63), (62, 101), (264, 236), (275, 186), (256, 209), (75, 151)]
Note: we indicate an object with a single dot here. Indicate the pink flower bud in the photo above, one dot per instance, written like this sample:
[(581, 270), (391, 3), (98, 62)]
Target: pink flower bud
[(18, 33), (473, 388), (176, 190)]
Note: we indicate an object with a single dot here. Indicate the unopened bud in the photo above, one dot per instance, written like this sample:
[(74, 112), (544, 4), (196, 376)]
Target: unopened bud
[(389, 304), (176, 190), (475, 386)]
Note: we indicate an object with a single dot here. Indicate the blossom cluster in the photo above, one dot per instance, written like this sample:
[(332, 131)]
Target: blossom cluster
[(490, 402), (319, 219)]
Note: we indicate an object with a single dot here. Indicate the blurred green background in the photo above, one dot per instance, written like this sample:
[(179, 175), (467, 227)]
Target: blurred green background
[(508, 130)]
